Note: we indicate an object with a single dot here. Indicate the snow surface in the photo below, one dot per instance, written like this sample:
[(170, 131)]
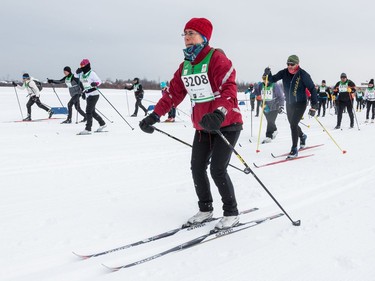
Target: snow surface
[(61, 193)]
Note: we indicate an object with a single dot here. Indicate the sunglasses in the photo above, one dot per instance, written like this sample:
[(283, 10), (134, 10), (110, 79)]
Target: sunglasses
[(290, 64)]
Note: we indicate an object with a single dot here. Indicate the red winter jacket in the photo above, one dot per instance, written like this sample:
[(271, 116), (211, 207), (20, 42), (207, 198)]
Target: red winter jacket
[(222, 77)]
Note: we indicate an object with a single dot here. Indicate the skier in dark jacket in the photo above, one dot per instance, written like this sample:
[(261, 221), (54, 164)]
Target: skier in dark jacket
[(295, 82), (138, 92), (75, 89), (323, 94), (251, 92), (344, 89)]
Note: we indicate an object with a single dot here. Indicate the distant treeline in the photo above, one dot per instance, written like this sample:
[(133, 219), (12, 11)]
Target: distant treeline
[(120, 84)]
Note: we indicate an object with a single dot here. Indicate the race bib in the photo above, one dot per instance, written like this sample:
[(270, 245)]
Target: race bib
[(343, 88), (199, 88), (267, 93)]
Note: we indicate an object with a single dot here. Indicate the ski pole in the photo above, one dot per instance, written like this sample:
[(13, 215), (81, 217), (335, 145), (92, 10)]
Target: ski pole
[(343, 151), (178, 110), (185, 143), (127, 101), (251, 121), (353, 110), (115, 109), (101, 114), (19, 105), (57, 95), (248, 170)]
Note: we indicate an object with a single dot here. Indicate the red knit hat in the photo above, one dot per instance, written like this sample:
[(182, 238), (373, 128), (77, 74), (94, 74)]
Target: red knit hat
[(84, 62), (201, 25)]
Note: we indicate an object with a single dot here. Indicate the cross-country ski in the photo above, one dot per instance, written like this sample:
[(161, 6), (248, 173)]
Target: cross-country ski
[(157, 237), (211, 235)]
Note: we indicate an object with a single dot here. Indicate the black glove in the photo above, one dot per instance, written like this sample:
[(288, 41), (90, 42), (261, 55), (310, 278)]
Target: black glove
[(212, 121), (79, 70), (14, 84), (147, 122), (83, 95), (312, 111), (49, 81), (267, 71), (281, 109), (94, 84)]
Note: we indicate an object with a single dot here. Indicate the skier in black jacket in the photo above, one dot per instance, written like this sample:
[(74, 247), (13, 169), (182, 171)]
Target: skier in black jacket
[(344, 89), (138, 92), (323, 94), (295, 82), (75, 89)]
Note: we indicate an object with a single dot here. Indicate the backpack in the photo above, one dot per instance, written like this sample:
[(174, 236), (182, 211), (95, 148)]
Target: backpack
[(38, 84)]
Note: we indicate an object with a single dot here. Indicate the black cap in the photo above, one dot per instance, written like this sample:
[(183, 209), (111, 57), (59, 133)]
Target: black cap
[(371, 81), (68, 69), (343, 75), (25, 76)]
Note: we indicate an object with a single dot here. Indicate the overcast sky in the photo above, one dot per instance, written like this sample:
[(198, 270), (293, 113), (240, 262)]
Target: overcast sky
[(142, 38)]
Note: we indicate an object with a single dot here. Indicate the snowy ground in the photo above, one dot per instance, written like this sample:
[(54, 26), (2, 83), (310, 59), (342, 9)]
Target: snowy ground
[(61, 193)]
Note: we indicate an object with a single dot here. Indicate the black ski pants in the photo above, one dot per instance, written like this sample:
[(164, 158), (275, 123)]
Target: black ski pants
[(259, 103), (295, 112), (91, 113), (252, 104), (341, 106), (138, 103), (172, 113), (36, 100), (322, 103), (370, 104), (208, 147), (75, 101)]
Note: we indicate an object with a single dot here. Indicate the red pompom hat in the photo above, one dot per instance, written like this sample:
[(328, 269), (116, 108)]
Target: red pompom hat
[(201, 25), (84, 62)]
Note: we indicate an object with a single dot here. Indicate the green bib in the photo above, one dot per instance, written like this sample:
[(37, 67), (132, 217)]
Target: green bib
[(196, 80)]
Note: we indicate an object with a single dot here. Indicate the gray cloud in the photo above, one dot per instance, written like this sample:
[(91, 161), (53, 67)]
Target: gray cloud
[(124, 39)]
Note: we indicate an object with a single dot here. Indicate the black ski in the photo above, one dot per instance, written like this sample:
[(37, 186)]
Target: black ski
[(37, 120), (211, 235), (165, 234)]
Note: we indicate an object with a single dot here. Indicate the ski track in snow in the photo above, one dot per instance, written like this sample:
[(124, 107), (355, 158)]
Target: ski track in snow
[(64, 193)]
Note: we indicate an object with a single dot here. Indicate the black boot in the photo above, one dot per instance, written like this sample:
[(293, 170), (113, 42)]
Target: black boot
[(28, 118), (67, 121)]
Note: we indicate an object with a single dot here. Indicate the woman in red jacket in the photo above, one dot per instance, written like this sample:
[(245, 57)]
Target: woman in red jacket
[(208, 77)]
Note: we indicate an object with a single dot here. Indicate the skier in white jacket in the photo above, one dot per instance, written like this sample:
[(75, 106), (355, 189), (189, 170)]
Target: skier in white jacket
[(33, 94), (90, 82)]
